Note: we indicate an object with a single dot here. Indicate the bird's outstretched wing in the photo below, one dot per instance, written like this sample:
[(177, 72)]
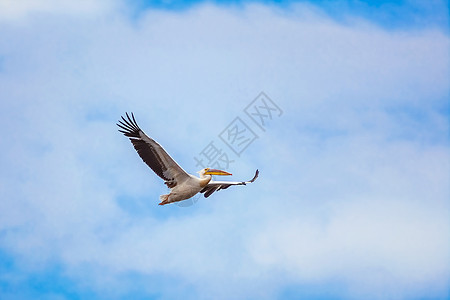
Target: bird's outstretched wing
[(213, 186), (152, 153)]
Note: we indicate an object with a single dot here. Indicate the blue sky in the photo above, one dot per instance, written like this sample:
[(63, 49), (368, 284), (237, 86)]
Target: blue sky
[(353, 196)]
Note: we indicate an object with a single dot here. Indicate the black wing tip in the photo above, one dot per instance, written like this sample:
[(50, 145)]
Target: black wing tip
[(128, 126), (254, 177), (130, 119)]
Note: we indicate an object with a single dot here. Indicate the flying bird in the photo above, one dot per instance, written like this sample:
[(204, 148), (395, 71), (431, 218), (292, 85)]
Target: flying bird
[(182, 185)]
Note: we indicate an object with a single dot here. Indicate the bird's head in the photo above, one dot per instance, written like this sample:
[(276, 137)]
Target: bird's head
[(209, 171)]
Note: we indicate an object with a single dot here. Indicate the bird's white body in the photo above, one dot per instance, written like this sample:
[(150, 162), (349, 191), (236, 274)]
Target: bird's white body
[(187, 188), (182, 185)]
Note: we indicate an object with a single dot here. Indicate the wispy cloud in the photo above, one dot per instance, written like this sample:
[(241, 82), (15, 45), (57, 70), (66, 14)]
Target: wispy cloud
[(353, 194), (13, 11)]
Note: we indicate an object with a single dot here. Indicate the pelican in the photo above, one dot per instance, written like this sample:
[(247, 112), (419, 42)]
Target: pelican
[(182, 185)]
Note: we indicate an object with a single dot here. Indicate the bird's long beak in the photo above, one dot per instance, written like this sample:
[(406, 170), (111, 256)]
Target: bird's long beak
[(216, 172)]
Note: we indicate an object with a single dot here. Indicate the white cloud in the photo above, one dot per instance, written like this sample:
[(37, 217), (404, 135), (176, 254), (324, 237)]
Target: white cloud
[(361, 145), (18, 10)]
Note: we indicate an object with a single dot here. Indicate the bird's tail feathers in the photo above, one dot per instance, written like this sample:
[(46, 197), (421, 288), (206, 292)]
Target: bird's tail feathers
[(164, 199)]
